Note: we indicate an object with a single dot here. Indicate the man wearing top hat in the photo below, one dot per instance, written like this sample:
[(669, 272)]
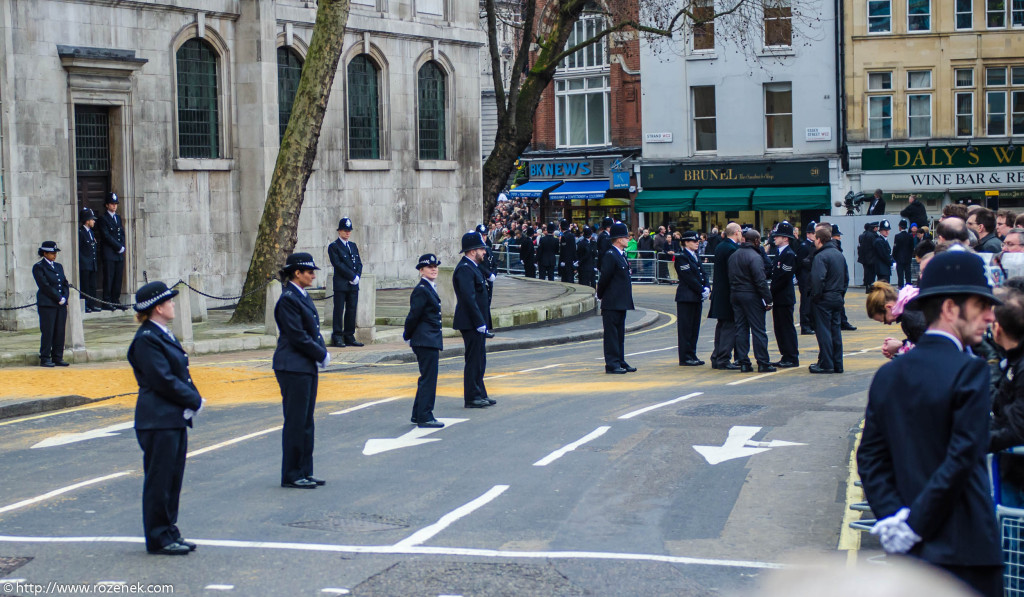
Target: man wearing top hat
[(692, 291), (300, 351), (922, 455), (547, 253), (112, 238), (344, 255), (784, 297), (423, 333), (51, 305), (471, 315), (883, 253), (88, 262), (615, 291)]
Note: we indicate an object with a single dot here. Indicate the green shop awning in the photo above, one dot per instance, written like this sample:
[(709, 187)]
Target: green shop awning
[(671, 200), (792, 198), (724, 199)]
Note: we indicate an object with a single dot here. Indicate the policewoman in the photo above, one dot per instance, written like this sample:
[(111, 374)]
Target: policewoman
[(51, 305), (300, 350), (167, 403), (423, 333)]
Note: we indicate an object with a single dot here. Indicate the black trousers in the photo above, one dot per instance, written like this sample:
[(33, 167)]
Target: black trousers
[(749, 310), (883, 277), (687, 329), (426, 385), (869, 275), (344, 320), (903, 274), (476, 364), (827, 328), (806, 310), (529, 269), (113, 273), (785, 333), (567, 273), (987, 581), (614, 338), (547, 272), (88, 283), (725, 342), (163, 462), (298, 399), (52, 324), (587, 276), (490, 296)]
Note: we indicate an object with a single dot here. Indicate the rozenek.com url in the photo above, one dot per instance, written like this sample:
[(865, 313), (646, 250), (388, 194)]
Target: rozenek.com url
[(102, 588)]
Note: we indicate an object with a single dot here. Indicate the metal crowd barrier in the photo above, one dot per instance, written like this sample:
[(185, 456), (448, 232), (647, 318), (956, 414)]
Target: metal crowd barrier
[(508, 259)]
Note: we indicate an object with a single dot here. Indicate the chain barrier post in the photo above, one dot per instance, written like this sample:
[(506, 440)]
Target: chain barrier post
[(199, 310), (366, 309), (446, 291), (329, 300), (182, 323), (273, 294), (75, 330)]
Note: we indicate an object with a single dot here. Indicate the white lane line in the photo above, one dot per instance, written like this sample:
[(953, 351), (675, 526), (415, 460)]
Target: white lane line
[(419, 550), (524, 371), (61, 491), (633, 354), (334, 591), (426, 533), (219, 587), (853, 354), (646, 409), (232, 441), (746, 379), (367, 405), (569, 448)]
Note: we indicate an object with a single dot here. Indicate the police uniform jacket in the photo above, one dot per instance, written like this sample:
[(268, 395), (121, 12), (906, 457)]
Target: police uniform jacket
[(87, 250), (746, 272), (692, 279), (804, 255), (903, 248), (925, 450), (721, 296), (547, 250), (865, 249), (585, 254), (423, 323), (604, 242), (299, 346), (829, 276), (883, 255), (615, 289), (52, 283), (489, 265), (782, 278), (470, 295), (1008, 405), (567, 248), (111, 235), (526, 248), (346, 262), (160, 365)]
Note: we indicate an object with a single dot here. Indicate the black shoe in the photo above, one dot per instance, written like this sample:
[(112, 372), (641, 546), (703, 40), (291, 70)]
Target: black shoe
[(731, 367), (191, 546), (765, 368), (806, 332), (786, 364), (313, 479), (615, 371), (847, 327), (746, 368), (299, 484), (431, 424), (171, 549), (691, 363), (488, 335), (490, 402), (45, 363), (817, 369), (353, 342), (412, 420), (479, 403), (337, 344), (629, 369), (838, 369), (61, 363)]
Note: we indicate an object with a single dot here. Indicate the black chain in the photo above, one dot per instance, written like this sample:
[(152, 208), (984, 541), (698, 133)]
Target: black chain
[(324, 299), (99, 300), (225, 298), (17, 308)]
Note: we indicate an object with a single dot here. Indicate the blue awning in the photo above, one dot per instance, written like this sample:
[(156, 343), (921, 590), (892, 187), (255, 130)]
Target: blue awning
[(580, 189), (533, 189)]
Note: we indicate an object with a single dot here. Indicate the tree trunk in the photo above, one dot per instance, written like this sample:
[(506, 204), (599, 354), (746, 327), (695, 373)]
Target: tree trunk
[(279, 225)]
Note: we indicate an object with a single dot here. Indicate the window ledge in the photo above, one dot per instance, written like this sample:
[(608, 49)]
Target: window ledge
[(223, 164), (701, 56), (769, 52), (367, 164), (436, 164)]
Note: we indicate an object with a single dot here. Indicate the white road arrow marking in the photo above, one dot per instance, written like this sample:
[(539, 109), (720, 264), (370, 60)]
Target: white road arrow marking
[(413, 438), (70, 438), (740, 445)]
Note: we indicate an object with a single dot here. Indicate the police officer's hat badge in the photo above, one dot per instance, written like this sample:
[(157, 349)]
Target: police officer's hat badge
[(884, 225), (344, 224), (481, 229), (86, 214), (428, 260), (111, 198)]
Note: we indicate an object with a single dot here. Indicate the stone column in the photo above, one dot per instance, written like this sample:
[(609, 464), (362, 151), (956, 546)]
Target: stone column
[(74, 330), (182, 324), (446, 291), (329, 303), (273, 294), (366, 311), (199, 312)]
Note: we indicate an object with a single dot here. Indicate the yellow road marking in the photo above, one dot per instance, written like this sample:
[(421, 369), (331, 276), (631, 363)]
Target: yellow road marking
[(849, 539)]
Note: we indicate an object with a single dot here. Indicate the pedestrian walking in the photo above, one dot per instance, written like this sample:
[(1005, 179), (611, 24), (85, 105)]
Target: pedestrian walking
[(922, 454), (51, 305), (784, 297), (300, 351), (721, 302), (344, 256), (615, 291), (829, 279), (692, 291), (547, 253), (471, 316), (112, 237), (750, 299), (88, 259), (423, 333), (167, 404)]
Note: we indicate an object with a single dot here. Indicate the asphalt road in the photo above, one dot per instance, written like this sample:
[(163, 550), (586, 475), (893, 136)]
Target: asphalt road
[(575, 483)]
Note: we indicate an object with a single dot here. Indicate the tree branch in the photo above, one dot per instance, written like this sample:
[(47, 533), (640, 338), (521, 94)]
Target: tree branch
[(492, 43)]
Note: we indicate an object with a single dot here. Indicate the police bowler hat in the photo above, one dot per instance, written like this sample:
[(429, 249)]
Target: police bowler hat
[(86, 214), (428, 260), (619, 231), (344, 224), (298, 261), (481, 229), (835, 231), (151, 295), (471, 240), (606, 222), (884, 225), (955, 272), (111, 198), (690, 235), (48, 246), (784, 229)]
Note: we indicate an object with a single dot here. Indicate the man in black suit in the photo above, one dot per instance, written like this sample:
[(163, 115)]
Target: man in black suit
[(111, 229), (585, 258), (922, 455), (51, 305), (300, 350), (472, 313), (615, 291), (903, 254), (693, 289), (804, 254), (604, 240), (877, 205), (883, 253), (88, 260), (721, 300), (566, 253), (423, 333), (547, 253), (344, 256), (527, 252), (488, 268), (784, 297)]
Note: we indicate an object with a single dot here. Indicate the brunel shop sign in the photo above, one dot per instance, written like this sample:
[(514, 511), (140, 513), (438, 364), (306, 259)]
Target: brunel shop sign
[(734, 174)]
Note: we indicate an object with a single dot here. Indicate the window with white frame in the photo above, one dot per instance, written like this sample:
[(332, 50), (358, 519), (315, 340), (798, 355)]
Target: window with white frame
[(778, 23), (919, 115), (880, 81), (997, 11), (702, 32), (1004, 101), (964, 103), (593, 56), (705, 125), (919, 15), (919, 79), (778, 115), (963, 13), (963, 77), (879, 16), (582, 89), (880, 117), (365, 4)]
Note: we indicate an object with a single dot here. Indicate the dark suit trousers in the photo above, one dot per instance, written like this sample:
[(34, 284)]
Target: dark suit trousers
[(902, 274), (476, 363), (587, 277), (725, 342), (163, 461), (88, 287), (344, 320), (298, 397), (785, 333), (113, 272), (614, 338), (869, 275), (567, 273), (827, 322), (426, 385), (749, 310), (529, 269), (687, 328), (547, 272), (806, 309), (52, 322)]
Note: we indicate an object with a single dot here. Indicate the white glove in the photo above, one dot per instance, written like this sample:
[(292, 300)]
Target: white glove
[(355, 281), (121, 251), (62, 301), (189, 413), (327, 361), (894, 532), (575, 263), (492, 278), (408, 342), (482, 329), (561, 264), (705, 294)]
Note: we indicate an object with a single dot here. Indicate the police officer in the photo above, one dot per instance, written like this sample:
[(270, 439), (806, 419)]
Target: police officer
[(750, 299), (423, 333), (883, 253), (837, 238), (804, 254), (721, 300), (489, 269), (693, 289), (112, 237), (527, 251), (471, 316), (585, 257), (300, 350), (566, 253), (168, 402), (604, 240), (615, 291), (344, 255), (547, 253), (866, 255), (88, 262), (783, 296), (51, 305)]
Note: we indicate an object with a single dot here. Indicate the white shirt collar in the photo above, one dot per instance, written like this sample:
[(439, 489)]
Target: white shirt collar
[(300, 289), (475, 264), (959, 344), (694, 253), (163, 328), (431, 282), (48, 261), (113, 214)]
